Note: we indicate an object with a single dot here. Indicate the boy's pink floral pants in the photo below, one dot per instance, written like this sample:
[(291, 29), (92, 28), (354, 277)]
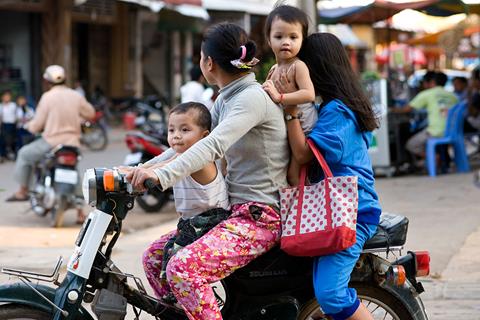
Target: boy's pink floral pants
[(228, 246)]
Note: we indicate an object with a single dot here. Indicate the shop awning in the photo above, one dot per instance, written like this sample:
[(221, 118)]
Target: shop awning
[(249, 6), (345, 34), (375, 11), (190, 8), (445, 8)]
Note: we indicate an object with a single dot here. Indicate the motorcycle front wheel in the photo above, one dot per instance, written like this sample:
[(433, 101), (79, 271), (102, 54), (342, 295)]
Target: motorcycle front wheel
[(21, 312), (378, 301), (152, 201)]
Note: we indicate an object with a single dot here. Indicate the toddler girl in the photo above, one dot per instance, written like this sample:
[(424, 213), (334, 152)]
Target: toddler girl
[(286, 28)]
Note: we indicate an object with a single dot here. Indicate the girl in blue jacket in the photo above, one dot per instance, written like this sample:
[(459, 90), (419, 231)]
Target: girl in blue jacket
[(342, 134)]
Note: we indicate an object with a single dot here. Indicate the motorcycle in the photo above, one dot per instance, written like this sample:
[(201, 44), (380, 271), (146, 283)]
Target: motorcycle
[(274, 286), (144, 147), (144, 144), (56, 178), (94, 133)]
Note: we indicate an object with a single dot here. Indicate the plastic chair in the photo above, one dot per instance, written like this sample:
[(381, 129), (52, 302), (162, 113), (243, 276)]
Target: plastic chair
[(454, 137)]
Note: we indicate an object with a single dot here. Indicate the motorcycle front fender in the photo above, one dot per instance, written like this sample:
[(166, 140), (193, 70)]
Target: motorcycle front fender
[(19, 293)]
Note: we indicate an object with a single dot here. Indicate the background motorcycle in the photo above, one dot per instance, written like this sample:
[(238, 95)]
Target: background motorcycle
[(274, 286), (94, 133), (148, 141), (56, 177)]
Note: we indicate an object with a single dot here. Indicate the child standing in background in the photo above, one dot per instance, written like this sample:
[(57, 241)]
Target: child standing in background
[(25, 113), (8, 112), (286, 28)]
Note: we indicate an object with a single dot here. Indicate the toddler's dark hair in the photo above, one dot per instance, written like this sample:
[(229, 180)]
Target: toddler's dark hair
[(288, 14), (204, 118), (222, 42)]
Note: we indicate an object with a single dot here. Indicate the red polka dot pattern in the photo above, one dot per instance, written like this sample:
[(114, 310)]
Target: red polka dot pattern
[(344, 205)]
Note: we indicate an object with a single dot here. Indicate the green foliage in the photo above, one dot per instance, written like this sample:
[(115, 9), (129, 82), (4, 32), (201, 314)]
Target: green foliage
[(370, 76), (263, 68)]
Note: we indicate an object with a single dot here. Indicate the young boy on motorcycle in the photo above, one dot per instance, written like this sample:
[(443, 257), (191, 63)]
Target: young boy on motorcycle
[(201, 199)]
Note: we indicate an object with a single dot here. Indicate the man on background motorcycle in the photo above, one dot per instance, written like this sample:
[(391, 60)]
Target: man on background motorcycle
[(58, 116)]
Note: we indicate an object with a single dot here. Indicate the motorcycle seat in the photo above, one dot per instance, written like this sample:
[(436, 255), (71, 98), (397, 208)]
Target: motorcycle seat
[(65, 148), (391, 232)]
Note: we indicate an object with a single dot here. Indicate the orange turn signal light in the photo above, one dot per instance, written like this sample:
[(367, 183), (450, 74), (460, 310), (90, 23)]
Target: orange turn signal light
[(396, 275), (108, 180)]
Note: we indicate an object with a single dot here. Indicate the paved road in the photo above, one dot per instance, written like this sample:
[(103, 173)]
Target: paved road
[(18, 215), (443, 212)]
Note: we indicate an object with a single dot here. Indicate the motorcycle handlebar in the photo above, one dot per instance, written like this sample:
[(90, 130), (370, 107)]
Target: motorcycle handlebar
[(149, 184)]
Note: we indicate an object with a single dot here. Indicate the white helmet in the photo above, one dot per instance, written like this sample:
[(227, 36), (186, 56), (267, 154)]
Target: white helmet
[(54, 74)]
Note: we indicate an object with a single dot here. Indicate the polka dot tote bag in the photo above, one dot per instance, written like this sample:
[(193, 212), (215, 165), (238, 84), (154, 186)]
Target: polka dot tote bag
[(319, 219)]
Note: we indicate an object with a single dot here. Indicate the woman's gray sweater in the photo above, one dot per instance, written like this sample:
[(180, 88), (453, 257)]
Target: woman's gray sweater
[(249, 131)]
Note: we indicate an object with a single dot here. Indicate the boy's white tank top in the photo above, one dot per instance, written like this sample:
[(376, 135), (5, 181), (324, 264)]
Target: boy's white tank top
[(193, 198)]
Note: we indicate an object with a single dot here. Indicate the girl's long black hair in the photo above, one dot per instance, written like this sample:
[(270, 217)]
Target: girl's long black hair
[(333, 77)]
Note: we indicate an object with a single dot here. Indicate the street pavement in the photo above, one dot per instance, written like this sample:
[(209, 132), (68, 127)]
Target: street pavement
[(443, 212)]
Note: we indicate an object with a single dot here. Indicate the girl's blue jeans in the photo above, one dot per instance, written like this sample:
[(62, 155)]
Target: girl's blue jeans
[(331, 275)]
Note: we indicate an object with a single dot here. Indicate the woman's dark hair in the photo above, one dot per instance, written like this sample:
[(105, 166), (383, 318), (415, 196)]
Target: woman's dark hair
[(204, 118), (222, 42), (333, 77), (288, 14)]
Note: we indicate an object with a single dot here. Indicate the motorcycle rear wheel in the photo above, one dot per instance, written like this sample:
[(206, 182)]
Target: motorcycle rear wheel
[(378, 301), (21, 312), (58, 212)]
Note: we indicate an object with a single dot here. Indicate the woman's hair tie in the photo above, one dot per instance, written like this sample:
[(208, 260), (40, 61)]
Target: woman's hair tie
[(244, 52), (240, 64)]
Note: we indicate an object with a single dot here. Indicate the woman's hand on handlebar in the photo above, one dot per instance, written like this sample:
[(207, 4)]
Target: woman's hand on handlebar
[(138, 176)]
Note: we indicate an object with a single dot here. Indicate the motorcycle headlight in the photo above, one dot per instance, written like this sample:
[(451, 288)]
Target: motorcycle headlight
[(89, 187)]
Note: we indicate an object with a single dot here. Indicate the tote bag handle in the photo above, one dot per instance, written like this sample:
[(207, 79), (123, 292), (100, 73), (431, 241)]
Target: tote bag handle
[(323, 164), (301, 187)]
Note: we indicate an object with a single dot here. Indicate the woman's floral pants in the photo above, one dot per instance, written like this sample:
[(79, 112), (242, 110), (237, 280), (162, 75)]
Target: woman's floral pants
[(250, 231)]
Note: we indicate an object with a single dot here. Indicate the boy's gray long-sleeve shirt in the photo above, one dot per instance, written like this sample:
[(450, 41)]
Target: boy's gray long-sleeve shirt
[(249, 131)]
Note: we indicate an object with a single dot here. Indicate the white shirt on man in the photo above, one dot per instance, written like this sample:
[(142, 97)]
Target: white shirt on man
[(195, 91)]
